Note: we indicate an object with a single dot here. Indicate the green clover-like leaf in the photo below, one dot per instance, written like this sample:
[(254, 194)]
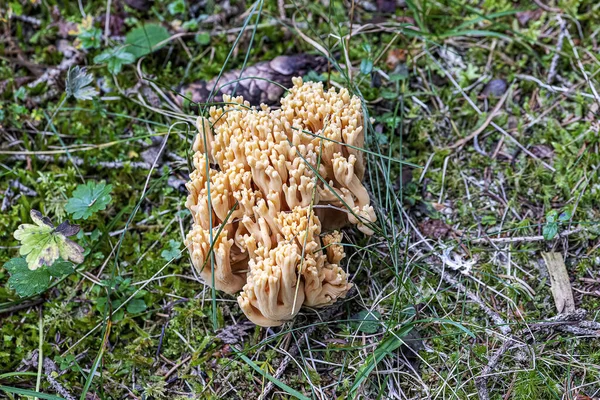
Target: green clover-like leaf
[(550, 230), (551, 216), (565, 216), (176, 7), (171, 252), (88, 199), (114, 58), (24, 281), (366, 66), (90, 38), (43, 244)]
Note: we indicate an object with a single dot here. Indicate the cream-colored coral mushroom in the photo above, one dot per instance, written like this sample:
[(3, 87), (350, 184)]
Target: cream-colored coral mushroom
[(332, 243), (273, 293), (324, 282), (229, 277), (266, 183)]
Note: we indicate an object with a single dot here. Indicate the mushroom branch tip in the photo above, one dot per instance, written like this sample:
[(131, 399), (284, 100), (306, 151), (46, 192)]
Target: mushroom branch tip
[(266, 183)]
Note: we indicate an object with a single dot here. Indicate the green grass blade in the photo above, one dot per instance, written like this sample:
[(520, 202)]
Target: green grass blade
[(386, 347), (30, 393), (271, 378)]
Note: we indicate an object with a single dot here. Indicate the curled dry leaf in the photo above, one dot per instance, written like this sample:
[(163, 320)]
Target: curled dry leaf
[(395, 57)]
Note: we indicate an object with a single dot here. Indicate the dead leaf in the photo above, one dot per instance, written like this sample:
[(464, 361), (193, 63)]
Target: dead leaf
[(560, 284), (434, 228), (395, 57)]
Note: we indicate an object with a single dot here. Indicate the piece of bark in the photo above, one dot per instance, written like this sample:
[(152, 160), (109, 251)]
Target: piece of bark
[(281, 70), (560, 283)]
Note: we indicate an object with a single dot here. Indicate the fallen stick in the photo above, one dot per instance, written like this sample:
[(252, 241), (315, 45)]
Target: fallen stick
[(172, 181), (520, 239), (50, 368)]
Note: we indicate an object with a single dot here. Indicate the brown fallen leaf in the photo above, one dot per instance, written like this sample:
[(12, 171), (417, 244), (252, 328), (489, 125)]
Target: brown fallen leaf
[(281, 70), (560, 284), (434, 228), (395, 57)]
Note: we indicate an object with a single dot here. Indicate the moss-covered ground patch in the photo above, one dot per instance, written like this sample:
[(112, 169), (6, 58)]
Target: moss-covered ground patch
[(431, 74)]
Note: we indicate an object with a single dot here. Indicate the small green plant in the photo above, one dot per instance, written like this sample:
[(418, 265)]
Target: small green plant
[(88, 199), (90, 38), (114, 59), (553, 221), (366, 64), (77, 84), (27, 282), (172, 250), (46, 249), (176, 7), (121, 290)]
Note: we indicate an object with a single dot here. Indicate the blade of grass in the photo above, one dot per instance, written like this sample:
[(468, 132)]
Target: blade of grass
[(90, 377), (385, 347), (271, 378), (29, 393)]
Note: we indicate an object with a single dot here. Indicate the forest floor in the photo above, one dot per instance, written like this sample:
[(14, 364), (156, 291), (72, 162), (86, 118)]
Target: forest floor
[(483, 152)]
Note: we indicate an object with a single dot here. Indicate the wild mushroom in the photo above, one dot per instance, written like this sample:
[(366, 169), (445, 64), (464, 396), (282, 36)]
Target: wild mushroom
[(274, 168)]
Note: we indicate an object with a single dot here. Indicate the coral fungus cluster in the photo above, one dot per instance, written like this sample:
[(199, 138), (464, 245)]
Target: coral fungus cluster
[(265, 183)]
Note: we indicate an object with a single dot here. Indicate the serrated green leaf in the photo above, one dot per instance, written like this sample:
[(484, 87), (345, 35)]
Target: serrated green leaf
[(88, 199), (90, 39), (136, 306), (42, 244), (60, 268), (115, 59), (24, 281), (171, 251), (77, 84), (146, 39), (367, 321)]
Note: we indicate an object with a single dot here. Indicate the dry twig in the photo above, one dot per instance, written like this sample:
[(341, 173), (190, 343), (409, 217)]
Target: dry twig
[(51, 371)]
